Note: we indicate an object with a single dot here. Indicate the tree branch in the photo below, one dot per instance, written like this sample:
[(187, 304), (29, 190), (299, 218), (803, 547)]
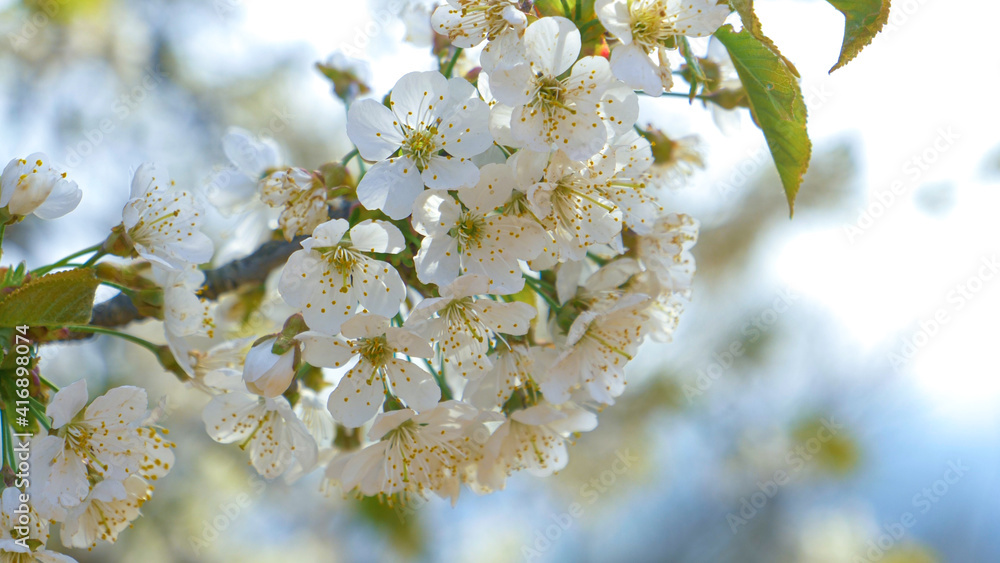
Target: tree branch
[(253, 269)]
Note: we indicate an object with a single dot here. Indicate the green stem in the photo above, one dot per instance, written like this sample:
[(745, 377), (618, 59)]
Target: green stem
[(445, 390), (681, 95), (38, 409), (451, 64), (536, 287), (93, 259), (48, 383), (124, 289), (579, 12), (350, 156), (8, 440), (585, 27), (566, 10), (111, 332), (65, 261)]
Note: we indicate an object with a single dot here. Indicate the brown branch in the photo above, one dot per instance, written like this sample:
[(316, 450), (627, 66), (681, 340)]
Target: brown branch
[(250, 270), (253, 269)]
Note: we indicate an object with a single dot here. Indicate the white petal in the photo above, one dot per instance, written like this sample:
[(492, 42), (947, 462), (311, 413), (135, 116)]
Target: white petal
[(251, 156), (496, 182), (357, 397), (65, 196), (365, 326), (379, 287), (438, 260), (329, 233), (118, 407), (232, 417), (371, 127), (413, 385), (67, 402), (632, 65), (552, 44), (504, 52), (391, 186), (615, 17), (377, 236), (513, 86), (464, 127), (508, 318), (323, 350), (407, 342), (435, 212), (449, 173), (620, 108), (418, 98)]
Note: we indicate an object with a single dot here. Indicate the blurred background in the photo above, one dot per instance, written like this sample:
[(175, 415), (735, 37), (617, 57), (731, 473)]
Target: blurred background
[(831, 394)]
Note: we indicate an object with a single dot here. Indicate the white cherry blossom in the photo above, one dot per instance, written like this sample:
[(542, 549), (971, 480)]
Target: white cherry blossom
[(333, 277), (511, 367), (465, 327), (277, 441), (468, 22), (234, 188), (20, 541), (643, 25), (598, 345), (533, 439), (105, 442), (379, 368), (468, 235), (110, 508), (573, 114), (427, 114), (572, 203), (31, 185), (302, 197), (666, 251), (412, 454), (161, 221)]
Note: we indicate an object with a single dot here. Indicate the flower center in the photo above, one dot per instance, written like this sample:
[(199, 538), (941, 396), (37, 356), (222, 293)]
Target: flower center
[(649, 25), (420, 146), (550, 94), (342, 261), (469, 230), (374, 350), (490, 13)]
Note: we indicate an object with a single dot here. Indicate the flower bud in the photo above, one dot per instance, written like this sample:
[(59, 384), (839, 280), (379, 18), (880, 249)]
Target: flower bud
[(266, 373), (31, 185)]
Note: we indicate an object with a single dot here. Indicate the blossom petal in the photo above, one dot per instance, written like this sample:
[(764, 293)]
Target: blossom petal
[(552, 45), (391, 186), (450, 172), (413, 384), (373, 129), (357, 397), (67, 402), (377, 236), (323, 350)]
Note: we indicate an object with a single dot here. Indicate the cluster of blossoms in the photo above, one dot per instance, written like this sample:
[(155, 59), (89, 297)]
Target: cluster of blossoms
[(457, 313), (506, 257)]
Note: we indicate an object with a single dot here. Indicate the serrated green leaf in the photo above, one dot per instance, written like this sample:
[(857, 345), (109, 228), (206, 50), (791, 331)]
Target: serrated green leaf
[(776, 104), (58, 299), (864, 19), (752, 24)]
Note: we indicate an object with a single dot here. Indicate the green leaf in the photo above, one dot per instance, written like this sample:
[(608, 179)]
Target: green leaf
[(776, 104), (58, 299), (750, 22), (865, 18)]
